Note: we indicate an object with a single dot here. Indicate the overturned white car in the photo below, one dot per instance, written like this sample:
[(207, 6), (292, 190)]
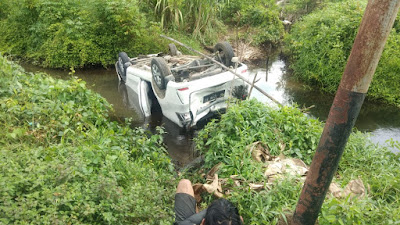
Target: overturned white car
[(187, 88)]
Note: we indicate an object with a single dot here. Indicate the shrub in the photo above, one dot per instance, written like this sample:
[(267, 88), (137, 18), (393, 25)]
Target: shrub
[(225, 142), (63, 161), (265, 24), (262, 16), (322, 41), (293, 10), (63, 34), (252, 121)]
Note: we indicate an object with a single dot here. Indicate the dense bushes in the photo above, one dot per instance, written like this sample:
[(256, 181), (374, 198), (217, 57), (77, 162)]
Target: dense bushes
[(202, 18), (261, 17), (293, 10), (252, 121), (62, 161), (76, 33), (64, 34), (322, 41)]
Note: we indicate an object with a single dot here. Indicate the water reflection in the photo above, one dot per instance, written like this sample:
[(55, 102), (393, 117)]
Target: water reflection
[(381, 120), (179, 142)]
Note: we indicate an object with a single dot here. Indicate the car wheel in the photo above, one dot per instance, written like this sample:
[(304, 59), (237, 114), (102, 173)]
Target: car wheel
[(224, 52), (159, 70), (173, 50), (122, 64)]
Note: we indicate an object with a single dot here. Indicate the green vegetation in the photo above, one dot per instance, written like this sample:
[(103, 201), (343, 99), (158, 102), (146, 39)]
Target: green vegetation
[(260, 17), (321, 42), (295, 9), (199, 18), (65, 34), (252, 121), (63, 161), (76, 33)]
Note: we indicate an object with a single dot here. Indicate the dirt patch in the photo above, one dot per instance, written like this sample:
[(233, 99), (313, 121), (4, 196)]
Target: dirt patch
[(249, 53)]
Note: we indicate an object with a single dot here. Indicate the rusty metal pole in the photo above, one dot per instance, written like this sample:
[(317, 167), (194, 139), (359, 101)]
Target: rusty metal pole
[(375, 27)]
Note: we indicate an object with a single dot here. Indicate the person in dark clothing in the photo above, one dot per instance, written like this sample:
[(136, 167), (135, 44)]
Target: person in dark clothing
[(221, 211)]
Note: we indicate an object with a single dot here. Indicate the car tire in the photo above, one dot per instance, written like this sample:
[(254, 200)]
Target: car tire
[(122, 64), (173, 51), (159, 70), (225, 53)]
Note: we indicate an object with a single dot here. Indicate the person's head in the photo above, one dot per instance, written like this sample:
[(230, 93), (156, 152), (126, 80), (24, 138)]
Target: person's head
[(222, 212)]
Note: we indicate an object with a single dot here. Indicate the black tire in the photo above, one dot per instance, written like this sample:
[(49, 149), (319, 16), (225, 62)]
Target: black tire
[(224, 53), (122, 64), (173, 51), (159, 70)]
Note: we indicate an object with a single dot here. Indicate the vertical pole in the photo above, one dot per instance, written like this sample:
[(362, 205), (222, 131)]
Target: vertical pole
[(375, 27)]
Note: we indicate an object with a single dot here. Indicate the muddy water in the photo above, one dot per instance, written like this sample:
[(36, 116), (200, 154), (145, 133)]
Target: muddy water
[(382, 121)]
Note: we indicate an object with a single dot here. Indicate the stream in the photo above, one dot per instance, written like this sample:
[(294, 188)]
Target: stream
[(382, 121)]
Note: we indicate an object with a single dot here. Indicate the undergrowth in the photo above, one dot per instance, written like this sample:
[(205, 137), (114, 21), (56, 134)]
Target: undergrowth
[(72, 33), (225, 142), (63, 161), (259, 20)]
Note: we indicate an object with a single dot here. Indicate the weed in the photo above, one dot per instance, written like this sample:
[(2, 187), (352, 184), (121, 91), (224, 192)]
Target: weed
[(225, 142)]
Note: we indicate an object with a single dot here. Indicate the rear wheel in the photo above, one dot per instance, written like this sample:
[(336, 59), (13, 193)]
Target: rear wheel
[(159, 70), (224, 52)]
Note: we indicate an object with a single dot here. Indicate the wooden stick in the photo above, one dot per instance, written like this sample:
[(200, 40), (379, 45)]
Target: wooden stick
[(252, 85), (225, 67)]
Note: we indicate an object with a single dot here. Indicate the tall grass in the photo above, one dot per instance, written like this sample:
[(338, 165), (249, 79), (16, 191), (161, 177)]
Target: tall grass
[(197, 17), (169, 12)]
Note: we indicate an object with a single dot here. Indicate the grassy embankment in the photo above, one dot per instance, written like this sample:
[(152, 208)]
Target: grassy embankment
[(225, 142), (63, 161)]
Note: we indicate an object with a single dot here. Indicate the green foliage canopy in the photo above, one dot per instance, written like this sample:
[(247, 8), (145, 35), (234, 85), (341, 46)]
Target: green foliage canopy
[(321, 43)]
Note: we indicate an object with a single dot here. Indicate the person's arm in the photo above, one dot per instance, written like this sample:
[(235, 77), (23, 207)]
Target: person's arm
[(194, 219)]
